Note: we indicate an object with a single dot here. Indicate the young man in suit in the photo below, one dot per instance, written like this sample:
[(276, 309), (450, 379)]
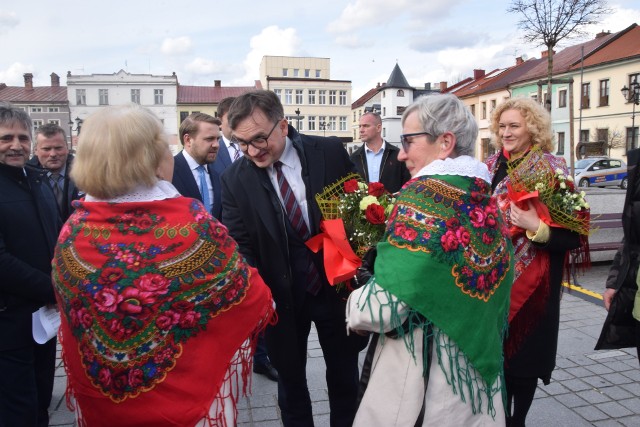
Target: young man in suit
[(377, 160), (193, 172), (52, 154), (269, 208), (29, 228)]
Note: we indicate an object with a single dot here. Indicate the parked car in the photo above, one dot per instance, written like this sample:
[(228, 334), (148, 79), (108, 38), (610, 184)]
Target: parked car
[(601, 172)]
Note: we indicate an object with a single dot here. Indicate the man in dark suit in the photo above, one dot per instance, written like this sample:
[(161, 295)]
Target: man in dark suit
[(193, 172), (377, 160), (269, 207), (52, 154), (29, 225)]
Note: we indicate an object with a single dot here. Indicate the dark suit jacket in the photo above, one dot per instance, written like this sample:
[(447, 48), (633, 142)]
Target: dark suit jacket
[(70, 190), (256, 220), (393, 173), (186, 184), (29, 226), (223, 159)]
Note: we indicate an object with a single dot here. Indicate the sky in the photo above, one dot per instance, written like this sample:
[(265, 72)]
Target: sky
[(202, 41)]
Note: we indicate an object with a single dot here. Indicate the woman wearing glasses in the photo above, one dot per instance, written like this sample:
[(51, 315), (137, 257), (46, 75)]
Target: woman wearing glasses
[(439, 295)]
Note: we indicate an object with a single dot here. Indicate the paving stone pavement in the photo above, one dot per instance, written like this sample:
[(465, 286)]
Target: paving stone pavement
[(588, 388)]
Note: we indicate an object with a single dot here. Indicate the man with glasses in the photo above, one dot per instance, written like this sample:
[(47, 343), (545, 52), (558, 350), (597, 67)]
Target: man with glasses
[(193, 173), (377, 160), (269, 207)]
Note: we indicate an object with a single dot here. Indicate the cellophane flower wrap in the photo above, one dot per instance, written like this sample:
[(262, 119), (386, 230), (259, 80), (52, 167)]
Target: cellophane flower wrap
[(354, 219), (551, 191)]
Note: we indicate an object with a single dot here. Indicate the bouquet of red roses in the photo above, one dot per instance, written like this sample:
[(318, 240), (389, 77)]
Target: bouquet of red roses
[(354, 220)]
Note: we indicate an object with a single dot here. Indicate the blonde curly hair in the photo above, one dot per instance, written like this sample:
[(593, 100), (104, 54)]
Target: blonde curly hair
[(536, 118)]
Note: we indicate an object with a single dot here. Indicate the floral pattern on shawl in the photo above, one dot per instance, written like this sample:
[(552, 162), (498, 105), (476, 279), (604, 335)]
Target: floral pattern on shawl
[(149, 294)]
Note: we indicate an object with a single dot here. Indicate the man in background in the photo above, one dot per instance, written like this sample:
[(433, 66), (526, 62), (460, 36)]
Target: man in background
[(193, 172), (29, 228), (52, 154), (377, 160)]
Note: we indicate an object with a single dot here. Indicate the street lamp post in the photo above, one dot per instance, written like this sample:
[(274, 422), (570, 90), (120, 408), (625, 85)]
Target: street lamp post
[(78, 122), (632, 94), (323, 127), (298, 117)]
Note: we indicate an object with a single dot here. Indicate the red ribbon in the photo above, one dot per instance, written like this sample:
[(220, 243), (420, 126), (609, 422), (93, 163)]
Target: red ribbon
[(520, 198), (340, 262)]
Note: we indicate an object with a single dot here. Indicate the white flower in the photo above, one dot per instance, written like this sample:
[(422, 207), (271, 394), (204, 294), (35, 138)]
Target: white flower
[(559, 171), (563, 185), (366, 201), (570, 178)]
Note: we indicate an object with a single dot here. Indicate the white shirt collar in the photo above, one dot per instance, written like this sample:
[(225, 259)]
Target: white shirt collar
[(193, 165), (382, 147)]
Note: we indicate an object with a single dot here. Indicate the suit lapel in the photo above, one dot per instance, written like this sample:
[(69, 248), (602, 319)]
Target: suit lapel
[(313, 175), (186, 184)]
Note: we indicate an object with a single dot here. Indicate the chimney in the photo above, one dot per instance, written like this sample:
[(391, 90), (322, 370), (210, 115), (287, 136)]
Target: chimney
[(55, 80), (545, 53), (519, 60), (443, 86), (602, 34), (216, 83), (427, 86), (478, 74), (28, 80), (378, 85), (3, 85)]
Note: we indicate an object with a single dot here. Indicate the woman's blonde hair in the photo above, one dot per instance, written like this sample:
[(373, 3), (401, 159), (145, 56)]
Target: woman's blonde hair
[(120, 148), (535, 116)]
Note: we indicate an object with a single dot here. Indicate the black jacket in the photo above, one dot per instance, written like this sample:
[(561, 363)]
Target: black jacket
[(393, 173), (70, 190), (186, 184), (29, 226)]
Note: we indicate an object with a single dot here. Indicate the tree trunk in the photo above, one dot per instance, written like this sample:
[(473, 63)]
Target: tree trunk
[(547, 105)]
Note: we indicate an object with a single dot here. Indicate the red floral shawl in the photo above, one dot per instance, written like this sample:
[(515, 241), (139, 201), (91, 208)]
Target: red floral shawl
[(159, 311)]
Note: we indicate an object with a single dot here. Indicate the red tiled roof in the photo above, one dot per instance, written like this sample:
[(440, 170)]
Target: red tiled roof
[(458, 85), (364, 98), (39, 94), (626, 45), (211, 94), (475, 85)]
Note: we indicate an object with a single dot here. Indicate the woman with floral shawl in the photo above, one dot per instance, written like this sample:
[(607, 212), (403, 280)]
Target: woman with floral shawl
[(541, 239), (159, 310), (439, 295)]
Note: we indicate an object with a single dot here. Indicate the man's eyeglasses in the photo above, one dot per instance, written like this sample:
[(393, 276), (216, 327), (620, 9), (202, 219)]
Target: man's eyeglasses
[(259, 142), (404, 139)]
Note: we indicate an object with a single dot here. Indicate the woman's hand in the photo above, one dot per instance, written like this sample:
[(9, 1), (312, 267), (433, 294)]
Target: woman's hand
[(607, 297), (525, 219)]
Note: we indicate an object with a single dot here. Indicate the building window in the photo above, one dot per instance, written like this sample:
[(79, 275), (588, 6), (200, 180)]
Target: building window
[(584, 135), (307, 72), (343, 123), (384, 111), (54, 121), (299, 96), (135, 96), (632, 138), (560, 143), (562, 98), (332, 122), (535, 97), (36, 109), (322, 97), (312, 96), (103, 96), (158, 96), (604, 93), (400, 93), (343, 97), (285, 72), (317, 74), (493, 105), (384, 132), (484, 110), (288, 96), (81, 97), (473, 109), (36, 124), (53, 109), (487, 148), (584, 99), (332, 97), (278, 93), (296, 72), (183, 115), (634, 78), (311, 122)]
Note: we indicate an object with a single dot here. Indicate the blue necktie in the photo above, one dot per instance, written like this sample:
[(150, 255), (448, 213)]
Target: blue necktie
[(204, 189)]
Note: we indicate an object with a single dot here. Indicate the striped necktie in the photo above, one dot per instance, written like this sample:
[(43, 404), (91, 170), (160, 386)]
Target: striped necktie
[(236, 151), (57, 191)]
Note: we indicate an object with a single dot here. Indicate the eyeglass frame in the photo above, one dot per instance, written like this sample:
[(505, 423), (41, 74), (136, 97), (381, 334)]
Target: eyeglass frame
[(244, 145), (406, 143)]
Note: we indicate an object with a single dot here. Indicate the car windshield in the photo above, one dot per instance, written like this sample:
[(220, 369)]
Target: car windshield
[(583, 163)]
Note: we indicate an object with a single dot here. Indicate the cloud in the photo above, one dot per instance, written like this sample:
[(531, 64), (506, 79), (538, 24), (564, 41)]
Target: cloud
[(204, 66), (13, 76), (8, 20), (616, 21), (176, 46), (272, 41), (353, 41), (437, 41)]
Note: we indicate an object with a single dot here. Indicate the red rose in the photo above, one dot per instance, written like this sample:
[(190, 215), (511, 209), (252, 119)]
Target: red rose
[(351, 186), (449, 241), (453, 223), (463, 236), (104, 377), (135, 302), (182, 306), (152, 282), (136, 377), (167, 319), (107, 299), (409, 234), (477, 216), (189, 320), (486, 239), (375, 214), (120, 381), (376, 189)]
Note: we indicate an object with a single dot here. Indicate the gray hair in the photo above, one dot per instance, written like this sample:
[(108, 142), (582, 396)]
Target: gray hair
[(440, 113), (10, 115)]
